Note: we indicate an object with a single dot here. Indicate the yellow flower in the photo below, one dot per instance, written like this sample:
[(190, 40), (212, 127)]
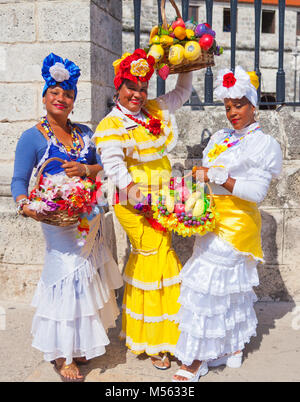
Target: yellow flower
[(216, 151), (139, 68), (116, 63)]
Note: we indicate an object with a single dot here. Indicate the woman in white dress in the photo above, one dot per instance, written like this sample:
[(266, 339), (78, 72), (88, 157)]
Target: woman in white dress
[(75, 298), (217, 317)]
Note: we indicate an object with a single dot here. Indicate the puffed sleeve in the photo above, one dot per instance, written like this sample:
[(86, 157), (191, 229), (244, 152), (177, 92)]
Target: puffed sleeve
[(110, 139), (174, 99), (263, 164)]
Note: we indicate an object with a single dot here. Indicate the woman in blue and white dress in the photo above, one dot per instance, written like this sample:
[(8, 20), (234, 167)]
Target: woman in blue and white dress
[(75, 297)]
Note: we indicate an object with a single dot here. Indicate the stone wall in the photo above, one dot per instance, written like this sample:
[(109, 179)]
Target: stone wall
[(86, 32)]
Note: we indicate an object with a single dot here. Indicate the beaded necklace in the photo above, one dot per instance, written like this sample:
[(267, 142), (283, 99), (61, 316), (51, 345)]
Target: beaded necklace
[(74, 151), (153, 126), (218, 149)]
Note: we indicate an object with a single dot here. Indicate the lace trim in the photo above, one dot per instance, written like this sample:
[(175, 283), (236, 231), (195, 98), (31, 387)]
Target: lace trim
[(144, 347), (148, 319), (152, 285)]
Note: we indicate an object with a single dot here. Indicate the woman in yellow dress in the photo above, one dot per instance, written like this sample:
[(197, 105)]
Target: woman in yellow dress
[(133, 140)]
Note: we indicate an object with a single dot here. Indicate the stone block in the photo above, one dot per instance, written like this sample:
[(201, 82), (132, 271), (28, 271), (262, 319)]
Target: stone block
[(291, 240), (291, 125), (9, 136), (16, 232), (113, 7), (17, 22), (272, 235), (18, 282), (28, 67), (276, 283), (63, 21), (105, 30), (18, 102)]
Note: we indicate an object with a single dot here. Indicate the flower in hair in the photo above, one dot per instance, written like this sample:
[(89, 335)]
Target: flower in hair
[(57, 70)]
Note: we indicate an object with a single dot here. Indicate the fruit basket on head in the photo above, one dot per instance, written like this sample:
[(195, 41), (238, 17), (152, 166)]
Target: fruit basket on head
[(182, 46), (186, 208)]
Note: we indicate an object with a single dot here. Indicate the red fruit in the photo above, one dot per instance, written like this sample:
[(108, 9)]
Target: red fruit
[(164, 71), (206, 41), (178, 23), (207, 25), (179, 208)]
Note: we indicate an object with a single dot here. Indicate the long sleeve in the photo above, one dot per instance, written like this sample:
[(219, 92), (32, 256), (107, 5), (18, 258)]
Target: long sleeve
[(255, 185), (29, 151), (174, 99), (115, 167)]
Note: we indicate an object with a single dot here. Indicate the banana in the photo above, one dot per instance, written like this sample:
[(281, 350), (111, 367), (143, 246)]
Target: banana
[(191, 201)]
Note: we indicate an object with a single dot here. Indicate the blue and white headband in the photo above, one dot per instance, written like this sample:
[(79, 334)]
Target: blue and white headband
[(56, 70)]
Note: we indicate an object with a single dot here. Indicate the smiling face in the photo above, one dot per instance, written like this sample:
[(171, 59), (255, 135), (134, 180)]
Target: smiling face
[(240, 112), (59, 102), (133, 95)]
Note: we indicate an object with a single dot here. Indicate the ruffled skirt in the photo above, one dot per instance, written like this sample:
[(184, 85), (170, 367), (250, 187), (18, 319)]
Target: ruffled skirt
[(152, 287), (75, 301), (216, 315)]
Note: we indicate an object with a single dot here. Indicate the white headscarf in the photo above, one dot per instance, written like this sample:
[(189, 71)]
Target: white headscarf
[(237, 85)]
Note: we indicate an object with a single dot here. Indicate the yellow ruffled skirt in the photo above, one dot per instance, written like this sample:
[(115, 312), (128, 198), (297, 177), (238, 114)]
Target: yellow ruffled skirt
[(151, 287)]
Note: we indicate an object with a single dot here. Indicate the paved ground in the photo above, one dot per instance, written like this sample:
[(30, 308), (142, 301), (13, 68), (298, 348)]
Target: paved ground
[(274, 355)]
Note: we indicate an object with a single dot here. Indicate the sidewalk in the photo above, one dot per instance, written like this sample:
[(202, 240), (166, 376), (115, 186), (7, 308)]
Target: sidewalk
[(274, 355)]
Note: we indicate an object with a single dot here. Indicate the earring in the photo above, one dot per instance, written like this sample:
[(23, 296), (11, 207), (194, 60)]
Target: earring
[(256, 114), (116, 98)]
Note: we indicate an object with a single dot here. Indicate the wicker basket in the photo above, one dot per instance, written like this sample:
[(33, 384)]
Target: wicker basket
[(206, 58), (61, 218)]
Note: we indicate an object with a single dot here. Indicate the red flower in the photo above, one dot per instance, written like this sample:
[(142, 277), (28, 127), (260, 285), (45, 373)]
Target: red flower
[(125, 65), (229, 80)]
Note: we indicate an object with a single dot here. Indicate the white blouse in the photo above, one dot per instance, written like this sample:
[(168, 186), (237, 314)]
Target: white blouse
[(252, 162), (113, 157)]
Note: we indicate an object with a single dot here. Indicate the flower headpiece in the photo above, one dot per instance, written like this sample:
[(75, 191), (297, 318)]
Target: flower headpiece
[(56, 70), (237, 85), (133, 67)]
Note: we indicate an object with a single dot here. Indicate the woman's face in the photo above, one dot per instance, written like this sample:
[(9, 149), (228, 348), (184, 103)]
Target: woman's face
[(240, 112), (133, 95), (58, 101)]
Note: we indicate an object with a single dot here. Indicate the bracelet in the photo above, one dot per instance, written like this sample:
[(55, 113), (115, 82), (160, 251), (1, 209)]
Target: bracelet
[(87, 170), (20, 205), (217, 174)]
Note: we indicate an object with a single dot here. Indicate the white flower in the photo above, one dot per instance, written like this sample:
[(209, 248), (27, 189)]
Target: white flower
[(59, 73)]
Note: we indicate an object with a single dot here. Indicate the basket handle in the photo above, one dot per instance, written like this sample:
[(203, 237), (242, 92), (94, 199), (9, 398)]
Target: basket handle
[(43, 167), (211, 197), (163, 12)]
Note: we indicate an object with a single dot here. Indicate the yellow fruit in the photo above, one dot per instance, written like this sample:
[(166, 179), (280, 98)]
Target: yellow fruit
[(166, 40), (157, 52), (189, 33), (180, 33), (198, 208), (170, 203), (192, 50), (176, 54), (154, 31), (155, 39), (191, 201)]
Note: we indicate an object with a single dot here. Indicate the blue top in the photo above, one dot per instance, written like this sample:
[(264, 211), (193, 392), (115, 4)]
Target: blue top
[(33, 149)]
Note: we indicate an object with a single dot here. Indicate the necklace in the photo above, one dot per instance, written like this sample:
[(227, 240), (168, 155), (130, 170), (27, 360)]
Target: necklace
[(218, 149), (74, 151), (153, 126)]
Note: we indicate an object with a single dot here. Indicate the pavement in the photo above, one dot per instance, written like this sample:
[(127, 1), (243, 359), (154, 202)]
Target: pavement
[(272, 356)]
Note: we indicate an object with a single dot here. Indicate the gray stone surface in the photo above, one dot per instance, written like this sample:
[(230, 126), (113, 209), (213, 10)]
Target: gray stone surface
[(271, 356)]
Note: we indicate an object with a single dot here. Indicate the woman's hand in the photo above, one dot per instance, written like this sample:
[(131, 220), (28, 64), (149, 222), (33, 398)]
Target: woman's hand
[(200, 174), (38, 216), (74, 169)]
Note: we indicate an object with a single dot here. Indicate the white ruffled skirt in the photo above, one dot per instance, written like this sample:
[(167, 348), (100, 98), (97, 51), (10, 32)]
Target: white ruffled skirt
[(75, 301), (216, 315)]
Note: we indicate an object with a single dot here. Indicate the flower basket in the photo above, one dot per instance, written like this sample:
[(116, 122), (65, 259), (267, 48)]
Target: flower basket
[(186, 209), (70, 198), (182, 46)]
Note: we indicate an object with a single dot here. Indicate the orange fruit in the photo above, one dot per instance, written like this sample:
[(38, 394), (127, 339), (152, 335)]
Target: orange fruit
[(180, 33)]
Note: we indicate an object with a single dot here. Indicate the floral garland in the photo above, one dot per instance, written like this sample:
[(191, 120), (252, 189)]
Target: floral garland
[(154, 125), (220, 148), (185, 210)]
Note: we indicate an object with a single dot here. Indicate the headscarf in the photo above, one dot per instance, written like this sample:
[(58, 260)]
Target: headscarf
[(56, 70), (133, 67), (237, 85)]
